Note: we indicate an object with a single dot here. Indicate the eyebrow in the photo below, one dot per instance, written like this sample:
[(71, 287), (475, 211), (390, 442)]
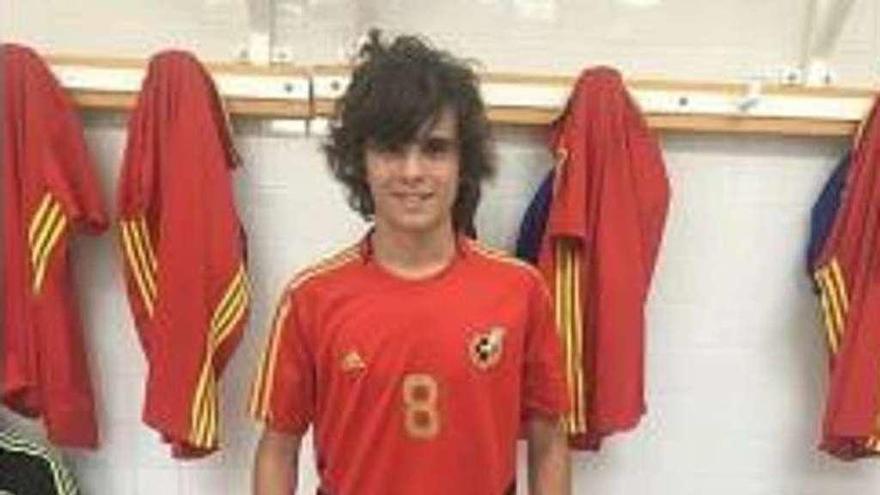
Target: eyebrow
[(435, 133), (438, 140), (440, 136)]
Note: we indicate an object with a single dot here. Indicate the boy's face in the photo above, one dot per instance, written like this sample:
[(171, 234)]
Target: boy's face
[(414, 186)]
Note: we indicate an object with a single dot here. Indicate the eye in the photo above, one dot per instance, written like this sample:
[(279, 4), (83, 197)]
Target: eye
[(394, 148), (437, 146), (389, 149)]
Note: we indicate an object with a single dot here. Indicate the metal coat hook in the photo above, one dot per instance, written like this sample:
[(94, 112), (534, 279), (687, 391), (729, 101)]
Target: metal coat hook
[(752, 98)]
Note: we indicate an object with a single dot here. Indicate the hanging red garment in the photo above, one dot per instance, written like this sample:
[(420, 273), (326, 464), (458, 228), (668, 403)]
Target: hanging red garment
[(183, 246), (49, 192), (847, 271), (599, 249)]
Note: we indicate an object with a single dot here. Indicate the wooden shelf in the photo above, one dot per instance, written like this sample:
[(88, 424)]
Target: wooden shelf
[(511, 99)]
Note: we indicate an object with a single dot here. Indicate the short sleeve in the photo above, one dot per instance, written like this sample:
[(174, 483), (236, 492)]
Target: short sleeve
[(64, 157), (283, 395), (544, 386)]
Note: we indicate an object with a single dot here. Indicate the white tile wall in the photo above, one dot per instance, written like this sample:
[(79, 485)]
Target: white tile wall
[(133, 28), (681, 39), (735, 357)]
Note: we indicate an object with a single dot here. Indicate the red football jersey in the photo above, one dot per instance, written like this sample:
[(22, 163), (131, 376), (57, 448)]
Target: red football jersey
[(413, 386), (599, 250), (49, 192), (847, 271), (184, 249)]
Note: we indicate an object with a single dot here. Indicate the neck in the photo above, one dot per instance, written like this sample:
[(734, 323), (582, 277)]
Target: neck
[(413, 255)]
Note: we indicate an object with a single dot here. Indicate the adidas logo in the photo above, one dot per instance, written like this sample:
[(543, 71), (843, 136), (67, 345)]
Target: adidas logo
[(352, 361)]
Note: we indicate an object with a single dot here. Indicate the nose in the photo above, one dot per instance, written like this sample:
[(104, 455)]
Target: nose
[(412, 168)]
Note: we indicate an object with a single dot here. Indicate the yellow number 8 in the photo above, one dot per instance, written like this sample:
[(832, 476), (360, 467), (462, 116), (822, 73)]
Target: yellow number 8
[(420, 394)]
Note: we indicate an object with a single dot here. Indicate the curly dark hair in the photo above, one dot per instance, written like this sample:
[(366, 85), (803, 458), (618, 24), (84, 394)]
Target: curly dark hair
[(395, 89)]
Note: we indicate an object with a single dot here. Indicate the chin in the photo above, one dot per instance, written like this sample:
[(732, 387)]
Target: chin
[(416, 225)]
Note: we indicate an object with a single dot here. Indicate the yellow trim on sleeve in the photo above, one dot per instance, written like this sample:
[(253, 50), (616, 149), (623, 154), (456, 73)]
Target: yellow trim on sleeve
[(261, 391), (45, 230), (830, 331), (137, 269), (227, 315)]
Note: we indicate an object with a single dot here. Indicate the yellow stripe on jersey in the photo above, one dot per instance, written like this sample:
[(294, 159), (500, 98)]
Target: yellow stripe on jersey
[(227, 302), (203, 431), (261, 391), (834, 301), (45, 230), (564, 322), (38, 225), (211, 434), (148, 244), (38, 217), (140, 250), (43, 261), (570, 322), (229, 322), (201, 408), (830, 331), (837, 277), (580, 393), (143, 275), (559, 312), (569, 337), (576, 337), (226, 317), (134, 266), (259, 407), (572, 338)]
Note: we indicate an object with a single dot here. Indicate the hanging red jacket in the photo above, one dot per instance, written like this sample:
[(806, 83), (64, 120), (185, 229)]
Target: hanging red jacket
[(49, 191), (847, 271), (599, 249), (183, 246)]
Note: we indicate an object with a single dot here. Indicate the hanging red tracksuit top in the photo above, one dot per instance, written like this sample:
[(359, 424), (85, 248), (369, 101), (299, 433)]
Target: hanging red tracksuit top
[(599, 249), (847, 273), (183, 247), (49, 191)]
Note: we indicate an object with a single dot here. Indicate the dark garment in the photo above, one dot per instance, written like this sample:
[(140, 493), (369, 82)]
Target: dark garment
[(27, 468), (534, 221), (824, 210)]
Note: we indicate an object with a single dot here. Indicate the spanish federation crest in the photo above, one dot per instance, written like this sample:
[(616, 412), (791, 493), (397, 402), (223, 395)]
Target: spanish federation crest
[(485, 348)]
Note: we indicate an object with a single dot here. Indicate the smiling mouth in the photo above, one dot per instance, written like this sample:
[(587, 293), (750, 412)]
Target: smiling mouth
[(413, 198)]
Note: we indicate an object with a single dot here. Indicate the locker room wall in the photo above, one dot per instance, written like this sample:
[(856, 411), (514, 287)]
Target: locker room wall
[(736, 368), (312, 31), (681, 39)]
